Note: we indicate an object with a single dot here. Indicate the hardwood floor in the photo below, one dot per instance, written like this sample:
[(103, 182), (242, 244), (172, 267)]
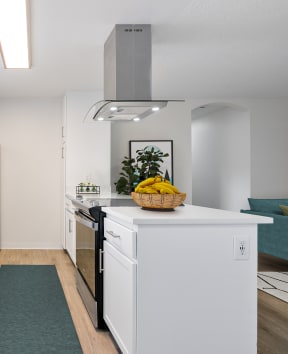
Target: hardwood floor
[(92, 340), (272, 313)]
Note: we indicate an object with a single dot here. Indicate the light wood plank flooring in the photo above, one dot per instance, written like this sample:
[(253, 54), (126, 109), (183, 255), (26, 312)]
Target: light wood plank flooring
[(272, 313), (92, 341)]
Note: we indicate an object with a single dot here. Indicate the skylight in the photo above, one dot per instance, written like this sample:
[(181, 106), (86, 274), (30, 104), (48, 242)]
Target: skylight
[(14, 33)]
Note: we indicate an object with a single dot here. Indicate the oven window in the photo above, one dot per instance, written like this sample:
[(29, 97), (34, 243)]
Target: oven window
[(85, 254)]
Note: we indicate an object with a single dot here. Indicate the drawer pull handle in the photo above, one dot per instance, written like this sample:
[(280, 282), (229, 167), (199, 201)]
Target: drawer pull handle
[(112, 234)]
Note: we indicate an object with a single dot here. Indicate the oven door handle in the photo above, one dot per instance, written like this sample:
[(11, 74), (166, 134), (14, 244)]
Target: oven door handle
[(101, 252), (86, 222)]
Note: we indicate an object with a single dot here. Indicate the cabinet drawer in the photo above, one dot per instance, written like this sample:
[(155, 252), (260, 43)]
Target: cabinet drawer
[(121, 237)]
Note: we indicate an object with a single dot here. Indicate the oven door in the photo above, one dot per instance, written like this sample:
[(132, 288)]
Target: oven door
[(86, 229)]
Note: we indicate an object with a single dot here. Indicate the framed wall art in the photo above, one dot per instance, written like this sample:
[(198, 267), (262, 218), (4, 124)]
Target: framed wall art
[(165, 146)]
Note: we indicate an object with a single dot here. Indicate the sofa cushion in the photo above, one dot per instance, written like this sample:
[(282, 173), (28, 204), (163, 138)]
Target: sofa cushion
[(267, 205), (284, 209)]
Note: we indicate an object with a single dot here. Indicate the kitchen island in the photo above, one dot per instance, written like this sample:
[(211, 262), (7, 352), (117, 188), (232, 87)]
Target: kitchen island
[(183, 281)]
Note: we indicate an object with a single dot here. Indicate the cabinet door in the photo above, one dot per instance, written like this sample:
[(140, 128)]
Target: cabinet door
[(120, 297), (70, 242)]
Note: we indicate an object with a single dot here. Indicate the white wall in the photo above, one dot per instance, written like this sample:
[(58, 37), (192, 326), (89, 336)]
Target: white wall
[(221, 159), (172, 123), (269, 146), (0, 199), (31, 182), (269, 143), (31, 185)]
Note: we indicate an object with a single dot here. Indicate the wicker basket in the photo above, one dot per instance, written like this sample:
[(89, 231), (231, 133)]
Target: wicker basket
[(158, 201)]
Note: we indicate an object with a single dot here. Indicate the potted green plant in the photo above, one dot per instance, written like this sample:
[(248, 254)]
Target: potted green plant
[(128, 176), (146, 164)]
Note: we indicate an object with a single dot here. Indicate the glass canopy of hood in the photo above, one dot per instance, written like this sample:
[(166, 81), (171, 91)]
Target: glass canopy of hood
[(123, 110)]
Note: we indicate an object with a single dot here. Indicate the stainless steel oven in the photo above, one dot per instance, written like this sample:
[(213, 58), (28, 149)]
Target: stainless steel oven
[(89, 253), (85, 248)]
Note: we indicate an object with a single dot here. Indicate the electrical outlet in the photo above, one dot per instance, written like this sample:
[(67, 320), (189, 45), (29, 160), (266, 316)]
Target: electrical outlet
[(241, 247)]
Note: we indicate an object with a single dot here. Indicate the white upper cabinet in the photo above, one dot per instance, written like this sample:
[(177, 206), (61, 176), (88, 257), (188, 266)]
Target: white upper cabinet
[(87, 145)]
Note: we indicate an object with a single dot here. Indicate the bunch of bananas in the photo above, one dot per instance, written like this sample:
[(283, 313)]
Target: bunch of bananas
[(154, 185)]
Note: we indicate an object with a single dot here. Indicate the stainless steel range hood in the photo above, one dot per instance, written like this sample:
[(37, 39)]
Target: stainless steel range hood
[(127, 76)]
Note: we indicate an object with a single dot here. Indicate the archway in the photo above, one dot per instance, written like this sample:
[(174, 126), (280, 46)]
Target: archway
[(220, 137)]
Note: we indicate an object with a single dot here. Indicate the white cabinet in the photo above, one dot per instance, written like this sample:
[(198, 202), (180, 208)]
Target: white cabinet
[(171, 281), (121, 237), (87, 145), (120, 297), (70, 234), (120, 284)]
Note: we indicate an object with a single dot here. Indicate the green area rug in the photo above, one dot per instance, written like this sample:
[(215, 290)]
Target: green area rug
[(34, 315)]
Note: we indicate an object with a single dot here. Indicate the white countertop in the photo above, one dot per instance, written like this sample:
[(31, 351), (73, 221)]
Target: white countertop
[(187, 214)]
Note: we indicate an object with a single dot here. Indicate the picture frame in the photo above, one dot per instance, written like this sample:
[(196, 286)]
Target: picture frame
[(166, 146)]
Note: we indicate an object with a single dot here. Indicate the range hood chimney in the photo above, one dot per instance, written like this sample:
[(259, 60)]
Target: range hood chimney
[(127, 76)]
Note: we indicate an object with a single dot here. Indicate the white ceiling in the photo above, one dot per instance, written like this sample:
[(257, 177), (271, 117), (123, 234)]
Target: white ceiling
[(200, 48)]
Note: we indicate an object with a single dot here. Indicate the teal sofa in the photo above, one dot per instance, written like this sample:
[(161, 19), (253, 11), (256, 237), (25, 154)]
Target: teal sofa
[(272, 238)]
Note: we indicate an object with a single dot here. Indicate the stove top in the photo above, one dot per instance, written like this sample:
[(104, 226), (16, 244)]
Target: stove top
[(87, 203)]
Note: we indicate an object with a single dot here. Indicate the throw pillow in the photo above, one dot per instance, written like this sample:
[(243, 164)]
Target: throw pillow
[(284, 209)]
